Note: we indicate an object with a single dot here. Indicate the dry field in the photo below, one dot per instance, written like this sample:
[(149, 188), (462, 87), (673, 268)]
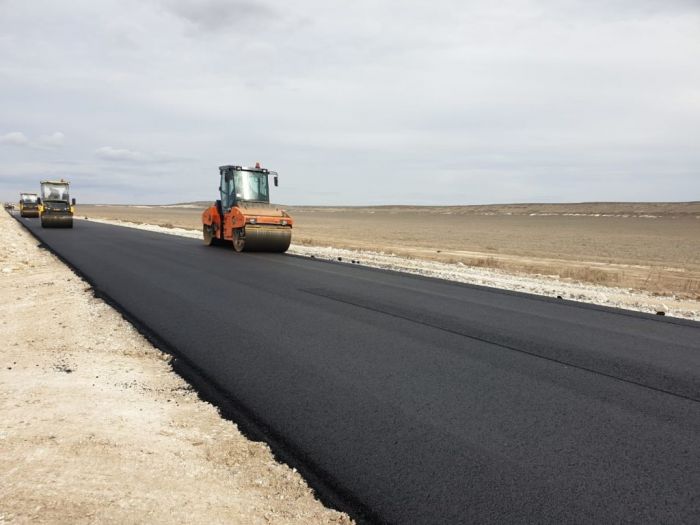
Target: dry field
[(653, 247)]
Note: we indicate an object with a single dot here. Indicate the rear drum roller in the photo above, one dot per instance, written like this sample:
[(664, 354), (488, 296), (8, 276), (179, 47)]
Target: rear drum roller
[(208, 235), (239, 240)]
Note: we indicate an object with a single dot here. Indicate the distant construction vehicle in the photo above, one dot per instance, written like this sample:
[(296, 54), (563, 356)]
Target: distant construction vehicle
[(244, 215), (28, 205), (55, 207)]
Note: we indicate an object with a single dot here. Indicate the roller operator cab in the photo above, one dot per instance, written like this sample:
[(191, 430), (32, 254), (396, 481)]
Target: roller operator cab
[(56, 209), (244, 216), (28, 205)]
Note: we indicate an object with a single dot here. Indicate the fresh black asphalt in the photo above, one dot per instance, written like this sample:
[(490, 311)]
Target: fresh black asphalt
[(421, 400)]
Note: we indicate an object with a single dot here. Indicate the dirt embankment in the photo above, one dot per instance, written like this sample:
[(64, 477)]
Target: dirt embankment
[(96, 428)]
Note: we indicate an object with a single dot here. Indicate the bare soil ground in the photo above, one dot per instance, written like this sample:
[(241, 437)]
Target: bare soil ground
[(95, 427), (652, 247)]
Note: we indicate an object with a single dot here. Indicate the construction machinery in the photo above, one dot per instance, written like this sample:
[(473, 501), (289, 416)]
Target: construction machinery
[(56, 209), (28, 205), (244, 216)]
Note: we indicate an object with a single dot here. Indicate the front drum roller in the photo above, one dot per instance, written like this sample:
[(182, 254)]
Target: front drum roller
[(50, 220), (262, 239)]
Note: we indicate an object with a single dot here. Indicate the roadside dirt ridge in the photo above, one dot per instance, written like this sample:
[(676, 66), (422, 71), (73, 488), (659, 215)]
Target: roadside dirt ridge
[(95, 427)]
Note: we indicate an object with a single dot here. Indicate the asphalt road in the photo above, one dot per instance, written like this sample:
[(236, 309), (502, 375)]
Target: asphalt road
[(425, 401)]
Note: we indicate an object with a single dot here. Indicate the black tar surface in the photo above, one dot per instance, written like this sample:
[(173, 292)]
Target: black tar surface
[(421, 400)]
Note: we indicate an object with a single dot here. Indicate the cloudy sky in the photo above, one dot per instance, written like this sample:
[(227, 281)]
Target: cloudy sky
[(353, 101)]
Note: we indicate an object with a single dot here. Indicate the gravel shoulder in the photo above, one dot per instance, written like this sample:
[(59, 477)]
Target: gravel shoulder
[(95, 427), (546, 285)]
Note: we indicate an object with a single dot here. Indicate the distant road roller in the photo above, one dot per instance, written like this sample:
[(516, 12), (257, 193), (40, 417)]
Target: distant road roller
[(244, 215), (28, 205), (56, 209)]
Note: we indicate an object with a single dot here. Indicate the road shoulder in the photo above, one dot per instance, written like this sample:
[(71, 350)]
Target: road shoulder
[(96, 427)]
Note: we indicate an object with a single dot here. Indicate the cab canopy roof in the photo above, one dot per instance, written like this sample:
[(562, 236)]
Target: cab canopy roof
[(244, 168), (55, 181), (28, 193)]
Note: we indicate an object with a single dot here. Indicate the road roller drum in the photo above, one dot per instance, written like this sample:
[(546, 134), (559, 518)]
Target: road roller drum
[(263, 239), (56, 220)]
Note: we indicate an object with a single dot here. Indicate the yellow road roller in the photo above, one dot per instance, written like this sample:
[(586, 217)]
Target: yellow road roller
[(56, 209), (28, 205)]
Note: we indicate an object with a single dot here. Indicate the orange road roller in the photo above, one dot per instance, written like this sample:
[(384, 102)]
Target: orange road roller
[(244, 216)]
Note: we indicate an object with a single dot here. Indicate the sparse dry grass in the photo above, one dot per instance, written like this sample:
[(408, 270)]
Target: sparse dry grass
[(653, 247), (591, 275), (486, 262)]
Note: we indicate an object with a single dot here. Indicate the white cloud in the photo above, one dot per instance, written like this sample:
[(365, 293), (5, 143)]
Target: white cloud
[(363, 101), (15, 138), (117, 154), (53, 140)]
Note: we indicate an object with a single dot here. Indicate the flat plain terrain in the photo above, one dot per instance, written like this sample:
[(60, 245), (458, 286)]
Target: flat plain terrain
[(422, 400), (654, 247)]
